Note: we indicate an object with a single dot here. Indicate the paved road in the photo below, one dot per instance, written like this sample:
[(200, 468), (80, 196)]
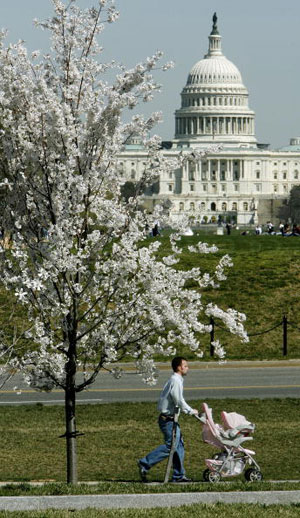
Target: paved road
[(244, 380), (31, 503)]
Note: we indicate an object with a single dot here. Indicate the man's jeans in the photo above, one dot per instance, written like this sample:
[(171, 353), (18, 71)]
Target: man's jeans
[(163, 451)]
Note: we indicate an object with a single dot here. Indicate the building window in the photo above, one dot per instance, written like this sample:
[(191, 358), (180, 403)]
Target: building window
[(296, 175), (223, 176), (213, 176), (275, 175), (236, 175), (192, 187), (192, 169), (204, 187), (203, 175), (236, 187), (284, 175), (257, 163), (170, 176), (224, 206), (258, 187), (257, 175), (170, 187), (192, 206), (181, 206), (213, 207), (214, 187), (234, 206), (285, 188), (132, 175), (223, 187), (275, 188), (245, 205)]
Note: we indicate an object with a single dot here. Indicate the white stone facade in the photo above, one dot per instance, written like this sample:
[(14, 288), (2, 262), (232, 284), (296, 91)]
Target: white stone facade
[(243, 181)]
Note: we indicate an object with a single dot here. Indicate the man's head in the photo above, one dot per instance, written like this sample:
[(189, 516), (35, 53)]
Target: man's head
[(179, 365)]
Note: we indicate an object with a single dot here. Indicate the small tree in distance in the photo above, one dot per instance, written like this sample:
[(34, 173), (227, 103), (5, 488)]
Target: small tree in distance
[(95, 291), (290, 210)]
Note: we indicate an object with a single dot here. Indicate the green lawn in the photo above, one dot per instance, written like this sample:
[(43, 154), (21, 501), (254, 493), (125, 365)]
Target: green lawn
[(263, 283), (116, 435)]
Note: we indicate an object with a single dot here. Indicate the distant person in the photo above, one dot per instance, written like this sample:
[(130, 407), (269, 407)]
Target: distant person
[(281, 227), (258, 230), (228, 229), (170, 398), (270, 227), (295, 230), (286, 229), (155, 230)]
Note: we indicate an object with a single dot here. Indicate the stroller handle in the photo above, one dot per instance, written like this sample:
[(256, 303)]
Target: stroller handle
[(199, 418)]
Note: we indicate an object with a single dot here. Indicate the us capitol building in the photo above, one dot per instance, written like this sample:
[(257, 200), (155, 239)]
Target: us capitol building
[(243, 181)]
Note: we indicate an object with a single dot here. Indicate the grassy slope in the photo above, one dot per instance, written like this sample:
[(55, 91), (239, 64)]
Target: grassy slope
[(263, 283), (117, 434)]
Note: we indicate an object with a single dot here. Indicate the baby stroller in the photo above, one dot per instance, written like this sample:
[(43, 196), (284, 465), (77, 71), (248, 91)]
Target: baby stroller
[(232, 458)]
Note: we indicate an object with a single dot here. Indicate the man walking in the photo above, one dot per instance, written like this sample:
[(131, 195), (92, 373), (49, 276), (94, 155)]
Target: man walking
[(170, 398)]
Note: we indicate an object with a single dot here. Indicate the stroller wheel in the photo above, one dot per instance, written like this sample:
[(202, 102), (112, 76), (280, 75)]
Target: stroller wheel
[(205, 474), (214, 476), (253, 475)]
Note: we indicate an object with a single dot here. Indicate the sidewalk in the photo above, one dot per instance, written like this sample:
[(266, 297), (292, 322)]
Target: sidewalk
[(34, 503)]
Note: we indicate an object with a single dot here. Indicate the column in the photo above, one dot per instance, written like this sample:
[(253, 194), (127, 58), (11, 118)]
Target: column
[(218, 170), (230, 169)]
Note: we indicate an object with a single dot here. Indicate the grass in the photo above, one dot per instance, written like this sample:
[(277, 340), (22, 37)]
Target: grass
[(186, 511), (263, 283), (117, 434)]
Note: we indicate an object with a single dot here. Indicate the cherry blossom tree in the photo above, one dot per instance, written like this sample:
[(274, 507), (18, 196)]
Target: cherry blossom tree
[(78, 258)]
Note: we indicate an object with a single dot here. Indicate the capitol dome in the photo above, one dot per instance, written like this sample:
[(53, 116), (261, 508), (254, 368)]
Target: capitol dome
[(214, 102), (214, 69)]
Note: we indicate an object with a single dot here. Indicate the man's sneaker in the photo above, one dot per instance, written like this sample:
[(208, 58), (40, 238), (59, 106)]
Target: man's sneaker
[(143, 472), (182, 479)]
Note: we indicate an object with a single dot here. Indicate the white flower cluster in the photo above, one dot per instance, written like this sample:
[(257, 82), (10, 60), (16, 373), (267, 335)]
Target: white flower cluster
[(219, 351), (203, 248)]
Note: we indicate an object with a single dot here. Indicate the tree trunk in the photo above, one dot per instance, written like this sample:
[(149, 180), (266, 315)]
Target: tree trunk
[(70, 406)]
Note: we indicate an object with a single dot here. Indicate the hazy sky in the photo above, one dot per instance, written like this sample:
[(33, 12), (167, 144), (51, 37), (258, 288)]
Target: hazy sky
[(261, 37)]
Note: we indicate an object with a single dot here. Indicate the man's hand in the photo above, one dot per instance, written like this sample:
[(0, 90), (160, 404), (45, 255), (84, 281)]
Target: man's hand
[(195, 411)]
